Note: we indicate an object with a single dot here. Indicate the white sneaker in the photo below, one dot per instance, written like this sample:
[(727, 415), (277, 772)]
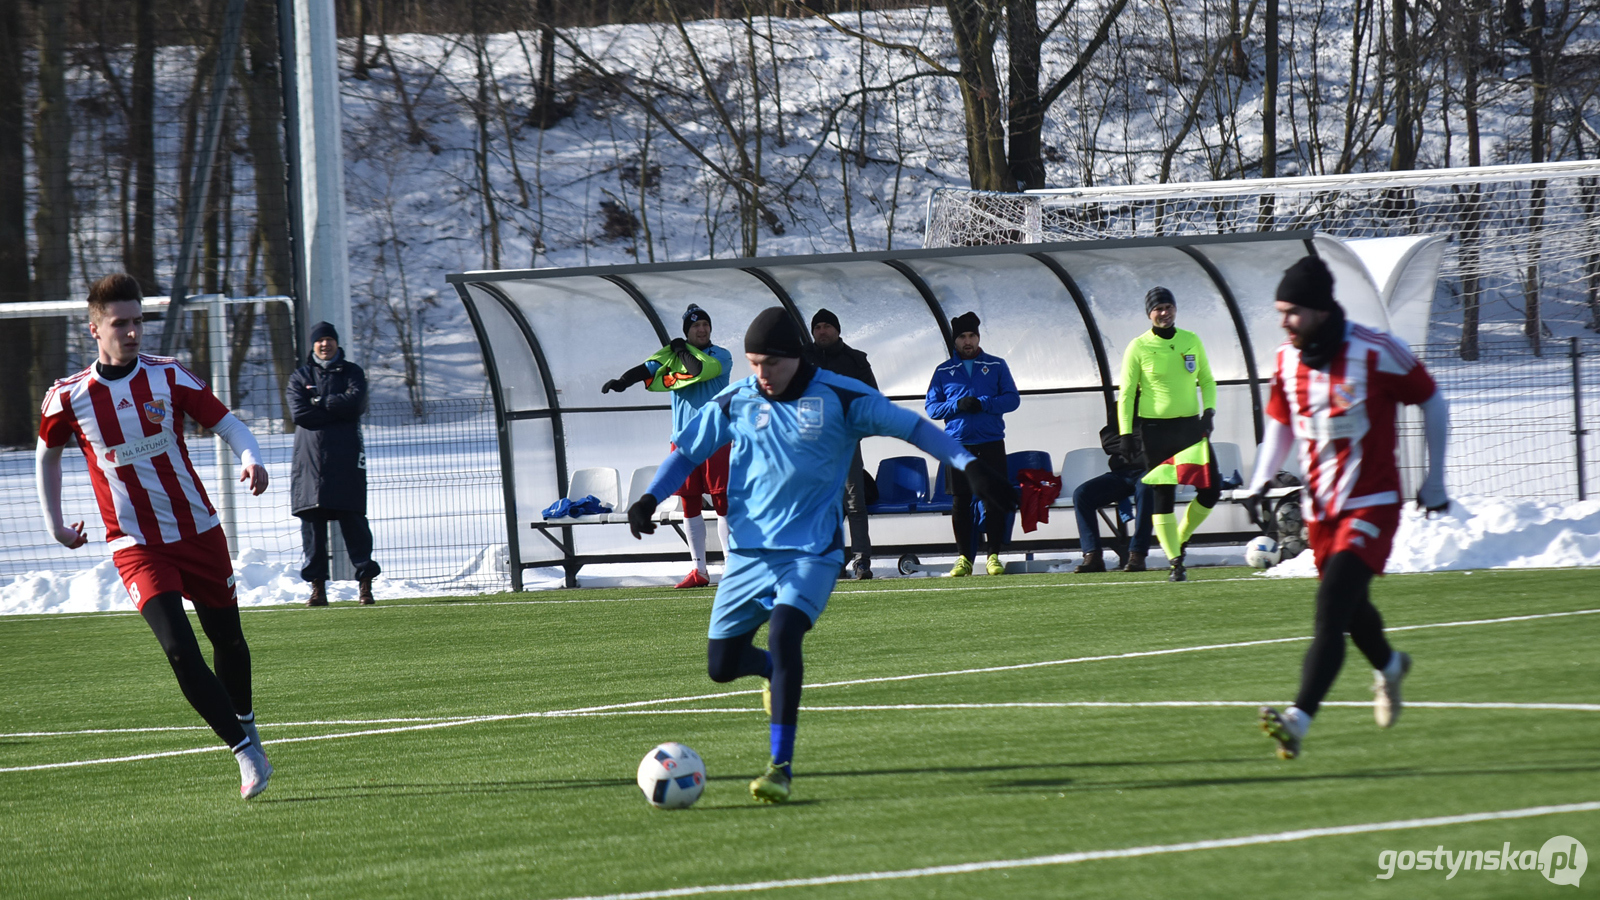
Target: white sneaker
[(1386, 693), (254, 770)]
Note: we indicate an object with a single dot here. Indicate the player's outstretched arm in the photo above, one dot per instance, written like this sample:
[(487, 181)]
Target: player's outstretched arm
[(1436, 431), (237, 435), (627, 379), (47, 479)]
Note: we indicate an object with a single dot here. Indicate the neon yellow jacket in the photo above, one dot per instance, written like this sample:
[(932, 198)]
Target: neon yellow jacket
[(1163, 374)]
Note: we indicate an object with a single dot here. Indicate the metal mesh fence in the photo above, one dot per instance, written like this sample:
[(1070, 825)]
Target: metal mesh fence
[(433, 466), (1523, 242), (1520, 425)]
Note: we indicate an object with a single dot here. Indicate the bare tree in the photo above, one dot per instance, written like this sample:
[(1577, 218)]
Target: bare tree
[(17, 408)]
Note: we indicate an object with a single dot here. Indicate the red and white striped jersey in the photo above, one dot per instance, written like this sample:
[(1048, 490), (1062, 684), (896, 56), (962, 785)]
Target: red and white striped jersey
[(131, 433), (1343, 418)]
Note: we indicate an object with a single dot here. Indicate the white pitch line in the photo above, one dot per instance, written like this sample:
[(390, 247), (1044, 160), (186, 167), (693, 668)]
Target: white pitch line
[(160, 728), (1061, 859), (634, 704), (1065, 704)]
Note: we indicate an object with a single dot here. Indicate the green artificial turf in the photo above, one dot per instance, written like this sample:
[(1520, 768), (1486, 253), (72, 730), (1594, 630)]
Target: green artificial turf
[(546, 807)]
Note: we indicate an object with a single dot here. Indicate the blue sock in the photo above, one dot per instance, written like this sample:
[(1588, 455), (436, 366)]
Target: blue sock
[(783, 746)]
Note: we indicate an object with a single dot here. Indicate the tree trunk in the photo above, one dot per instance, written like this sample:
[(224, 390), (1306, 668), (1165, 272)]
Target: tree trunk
[(972, 23), (52, 220), (140, 260), (1403, 74), (1269, 112), (1026, 113), (17, 408), (264, 136)]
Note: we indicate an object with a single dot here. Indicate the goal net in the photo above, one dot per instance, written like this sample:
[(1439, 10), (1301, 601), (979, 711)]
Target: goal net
[(1523, 242)]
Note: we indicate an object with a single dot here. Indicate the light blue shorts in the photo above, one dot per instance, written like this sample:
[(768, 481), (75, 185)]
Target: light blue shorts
[(755, 581)]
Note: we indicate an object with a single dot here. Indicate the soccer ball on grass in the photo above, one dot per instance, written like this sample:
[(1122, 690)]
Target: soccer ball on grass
[(672, 776), (1262, 552)]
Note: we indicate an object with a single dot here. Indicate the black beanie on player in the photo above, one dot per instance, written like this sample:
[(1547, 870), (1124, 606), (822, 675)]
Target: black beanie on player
[(774, 333), (1157, 296), (967, 321), (824, 315), (692, 315), (1308, 283)]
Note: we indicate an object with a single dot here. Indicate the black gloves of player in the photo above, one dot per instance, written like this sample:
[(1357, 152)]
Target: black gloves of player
[(969, 405), (640, 513), (992, 488), (1206, 423), (1128, 448), (615, 384), (629, 378)]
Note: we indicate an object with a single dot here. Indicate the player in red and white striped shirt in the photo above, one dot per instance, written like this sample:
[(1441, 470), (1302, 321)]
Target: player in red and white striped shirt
[(126, 413), (1335, 394)]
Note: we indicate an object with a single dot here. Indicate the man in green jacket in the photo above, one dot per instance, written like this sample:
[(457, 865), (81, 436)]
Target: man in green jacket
[(1169, 395)]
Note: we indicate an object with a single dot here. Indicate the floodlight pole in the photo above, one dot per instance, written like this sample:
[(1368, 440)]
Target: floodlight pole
[(314, 122), (200, 186)]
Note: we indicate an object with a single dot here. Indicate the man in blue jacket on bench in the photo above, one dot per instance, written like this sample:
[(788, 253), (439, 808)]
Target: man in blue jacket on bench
[(970, 393)]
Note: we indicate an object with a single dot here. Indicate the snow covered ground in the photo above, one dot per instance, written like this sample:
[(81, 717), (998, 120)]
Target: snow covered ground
[(1479, 533)]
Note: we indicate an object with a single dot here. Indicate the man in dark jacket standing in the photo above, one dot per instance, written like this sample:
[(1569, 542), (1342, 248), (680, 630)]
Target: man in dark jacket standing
[(327, 397), (970, 392), (829, 351)]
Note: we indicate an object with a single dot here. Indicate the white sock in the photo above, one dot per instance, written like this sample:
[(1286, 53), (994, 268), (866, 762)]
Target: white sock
[(1298, 721), (697, 542), (1391, 672), (722, 536)]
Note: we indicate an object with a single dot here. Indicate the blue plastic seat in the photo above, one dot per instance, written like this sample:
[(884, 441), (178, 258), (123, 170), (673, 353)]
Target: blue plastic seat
[(1026, 459), (938, 498), (902, 484)]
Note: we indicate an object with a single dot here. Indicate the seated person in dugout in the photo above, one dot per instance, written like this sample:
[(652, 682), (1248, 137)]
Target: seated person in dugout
[(1124, 481)]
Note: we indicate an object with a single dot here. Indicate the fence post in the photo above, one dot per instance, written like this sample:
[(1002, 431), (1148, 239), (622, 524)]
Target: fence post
[(217, 312), (1577, 417)]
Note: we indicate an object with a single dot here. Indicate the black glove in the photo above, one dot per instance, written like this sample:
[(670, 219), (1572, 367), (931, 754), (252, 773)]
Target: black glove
[(615, 384), (1206, 423), (1128, 449), (678, 345), (994, 489), (969, 405), (1255, 506), (639, 515)]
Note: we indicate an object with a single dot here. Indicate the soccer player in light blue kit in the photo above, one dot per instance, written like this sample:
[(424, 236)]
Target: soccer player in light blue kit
[(793, 430)]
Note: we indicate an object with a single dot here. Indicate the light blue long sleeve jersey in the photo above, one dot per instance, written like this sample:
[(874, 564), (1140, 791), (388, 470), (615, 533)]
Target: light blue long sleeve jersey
[(790, 458), (687, 401)]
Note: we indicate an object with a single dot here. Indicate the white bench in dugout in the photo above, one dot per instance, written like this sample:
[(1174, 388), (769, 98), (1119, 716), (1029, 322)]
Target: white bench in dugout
[(1077, 467)]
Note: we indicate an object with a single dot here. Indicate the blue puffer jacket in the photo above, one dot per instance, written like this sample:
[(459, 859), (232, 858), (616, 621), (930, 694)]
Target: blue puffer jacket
[(990, 381)]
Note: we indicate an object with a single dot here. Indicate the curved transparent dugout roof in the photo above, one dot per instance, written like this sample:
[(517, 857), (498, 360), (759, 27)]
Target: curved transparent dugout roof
[(1060, 314)]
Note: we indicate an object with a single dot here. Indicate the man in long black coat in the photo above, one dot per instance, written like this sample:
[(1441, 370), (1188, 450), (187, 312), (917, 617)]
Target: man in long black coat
[(829, 351), (327, 397)]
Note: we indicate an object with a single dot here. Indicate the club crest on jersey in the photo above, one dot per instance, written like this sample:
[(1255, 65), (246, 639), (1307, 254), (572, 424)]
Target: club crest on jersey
[(1188, 363), (763, 416), (155, 411), (809, 418), (1341, 397)]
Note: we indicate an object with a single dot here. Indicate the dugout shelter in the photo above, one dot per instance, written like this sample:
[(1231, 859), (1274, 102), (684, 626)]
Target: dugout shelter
[(1060, 314)]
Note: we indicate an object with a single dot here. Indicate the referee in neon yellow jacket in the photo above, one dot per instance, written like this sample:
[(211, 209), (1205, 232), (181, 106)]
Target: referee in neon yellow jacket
[(1170, 396)]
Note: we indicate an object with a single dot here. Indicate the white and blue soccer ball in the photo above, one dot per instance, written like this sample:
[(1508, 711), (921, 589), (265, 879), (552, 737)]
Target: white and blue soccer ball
[(672, 776), (1262, 552)]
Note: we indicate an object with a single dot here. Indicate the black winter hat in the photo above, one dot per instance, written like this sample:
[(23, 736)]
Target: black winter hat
[(774, 333), (692, 315), (967, 321), (824, 315), (322, 330), (1308, 283), (1157, 296)]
